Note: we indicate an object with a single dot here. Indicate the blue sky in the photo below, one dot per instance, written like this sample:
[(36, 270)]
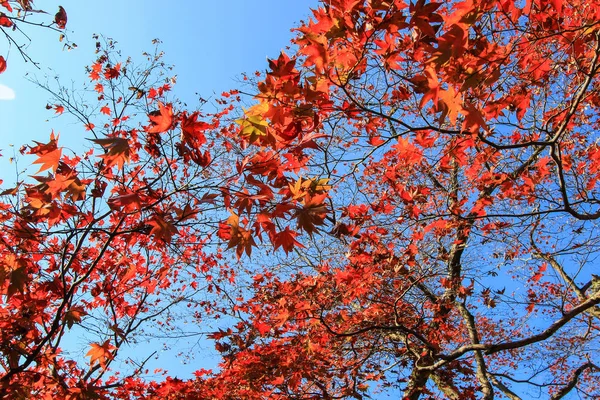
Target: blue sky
[(210, 43)]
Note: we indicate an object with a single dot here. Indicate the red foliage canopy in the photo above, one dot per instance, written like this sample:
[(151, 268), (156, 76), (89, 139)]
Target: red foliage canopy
[(447, 154), (428, 169)]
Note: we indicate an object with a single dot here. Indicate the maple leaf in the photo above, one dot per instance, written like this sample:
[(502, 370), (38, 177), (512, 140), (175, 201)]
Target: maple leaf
[(539, 273), (95, 75), (2, 64), (297, 189), (450, 104), (77, 189), (312, 213), (117, 151), (105, 110), (433, 87), (262, 328), (220, 334), (186, 213), (239, 237), (128, 201), (253, 125), (162, 120), (61, 18), (112, 72), (192, 130), (286, 239), (49, 160), (18, 279), (100, 353), (59, 184), (74, 315), (58, 109), (152, 93), (162, 229), (315, 51), (283, 67)]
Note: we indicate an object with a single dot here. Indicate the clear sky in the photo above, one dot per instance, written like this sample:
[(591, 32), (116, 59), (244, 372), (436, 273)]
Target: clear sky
[(210, 43)]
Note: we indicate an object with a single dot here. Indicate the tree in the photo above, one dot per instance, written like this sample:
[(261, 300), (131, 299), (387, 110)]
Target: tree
[(23, 15), (112, 237), (431, 171), (416, 186)]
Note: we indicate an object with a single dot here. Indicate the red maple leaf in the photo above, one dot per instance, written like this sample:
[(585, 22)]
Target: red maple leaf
[(162, 229), (312, 213), (128, 201), (162, 120), (286, 239), (112, 72), (192, 129)]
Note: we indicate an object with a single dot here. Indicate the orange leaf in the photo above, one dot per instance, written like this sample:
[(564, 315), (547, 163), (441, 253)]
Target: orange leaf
[(49, 160), (162, 120), (262, 328), (100, 353), (73, 316), (449, 104), (6, 4), (433, 87), (117, 151), (95, 74)]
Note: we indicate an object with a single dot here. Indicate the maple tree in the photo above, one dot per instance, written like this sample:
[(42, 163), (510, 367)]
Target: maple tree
[(431, 171), (17, 16), (111, 236), (416, 186)]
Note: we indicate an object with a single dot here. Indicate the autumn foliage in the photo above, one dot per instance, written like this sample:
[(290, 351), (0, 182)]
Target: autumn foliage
[(416, 186), (107, 242), (17, 17)]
